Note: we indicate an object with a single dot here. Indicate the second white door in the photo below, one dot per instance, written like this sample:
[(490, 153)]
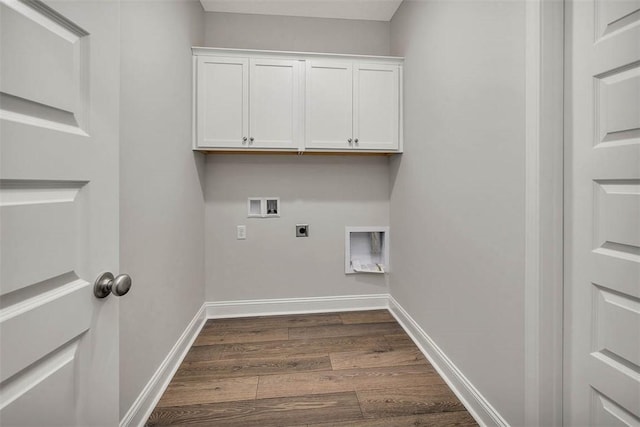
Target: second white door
[(602, 213), (59, 127)]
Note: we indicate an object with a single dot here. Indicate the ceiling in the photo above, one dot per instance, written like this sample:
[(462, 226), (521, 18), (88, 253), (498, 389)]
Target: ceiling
[(371, 10)]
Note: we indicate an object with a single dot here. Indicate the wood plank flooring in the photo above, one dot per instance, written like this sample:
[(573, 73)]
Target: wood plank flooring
[(355, 369)]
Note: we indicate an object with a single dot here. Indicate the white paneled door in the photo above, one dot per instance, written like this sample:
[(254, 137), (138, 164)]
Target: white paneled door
[(602, 213), (59, 95)]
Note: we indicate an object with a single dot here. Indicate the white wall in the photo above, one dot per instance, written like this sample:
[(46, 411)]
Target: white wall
[(269, 32), (329, 192), (457, 197), (161, 208)]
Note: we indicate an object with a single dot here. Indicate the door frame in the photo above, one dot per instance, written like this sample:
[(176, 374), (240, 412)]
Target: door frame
[(544, 200)]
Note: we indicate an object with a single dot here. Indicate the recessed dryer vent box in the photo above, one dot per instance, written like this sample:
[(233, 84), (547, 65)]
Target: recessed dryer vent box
[(263, 207), (366, 250)]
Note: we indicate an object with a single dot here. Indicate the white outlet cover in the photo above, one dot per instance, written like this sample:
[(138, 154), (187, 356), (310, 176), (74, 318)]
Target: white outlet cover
[(241, 232)]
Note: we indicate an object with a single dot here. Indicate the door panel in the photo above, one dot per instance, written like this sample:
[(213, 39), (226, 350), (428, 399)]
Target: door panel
[(31, 43), (611, 16), (70, 324), (602, 213), (615, 312), (55, 388), (376, 106), (617, 209), (329, 104), (608, 413), (618, 105), (43, 230), (59, 97), (223, 102), (275, 103)]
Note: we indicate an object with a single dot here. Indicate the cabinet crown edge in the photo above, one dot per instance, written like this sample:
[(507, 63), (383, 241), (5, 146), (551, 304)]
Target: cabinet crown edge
[(217, 51)]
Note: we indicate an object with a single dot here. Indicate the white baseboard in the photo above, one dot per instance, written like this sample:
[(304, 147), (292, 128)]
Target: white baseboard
[(477, 405), (141, 409), (270, 307)]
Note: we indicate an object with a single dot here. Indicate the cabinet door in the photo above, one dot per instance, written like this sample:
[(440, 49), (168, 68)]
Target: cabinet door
[(329, 104), (274, 103), (376, 107), (222, 102)]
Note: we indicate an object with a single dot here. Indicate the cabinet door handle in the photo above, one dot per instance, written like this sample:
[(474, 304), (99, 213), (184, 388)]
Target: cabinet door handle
[(251, 140), (349, 140), (355, 140), (244, 139)]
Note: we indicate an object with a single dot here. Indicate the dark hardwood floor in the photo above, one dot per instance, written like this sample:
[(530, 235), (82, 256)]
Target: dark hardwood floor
[(355, 369)]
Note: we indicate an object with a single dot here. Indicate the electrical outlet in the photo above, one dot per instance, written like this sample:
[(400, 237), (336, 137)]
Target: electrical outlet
[(302, 230), (241, 232)]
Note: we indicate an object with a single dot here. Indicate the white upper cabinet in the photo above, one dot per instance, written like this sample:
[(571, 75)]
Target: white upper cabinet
[(247, 103), (376, 107), (352, 106), (274, 104), (286, 101), (222, 102), (329, 105)]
